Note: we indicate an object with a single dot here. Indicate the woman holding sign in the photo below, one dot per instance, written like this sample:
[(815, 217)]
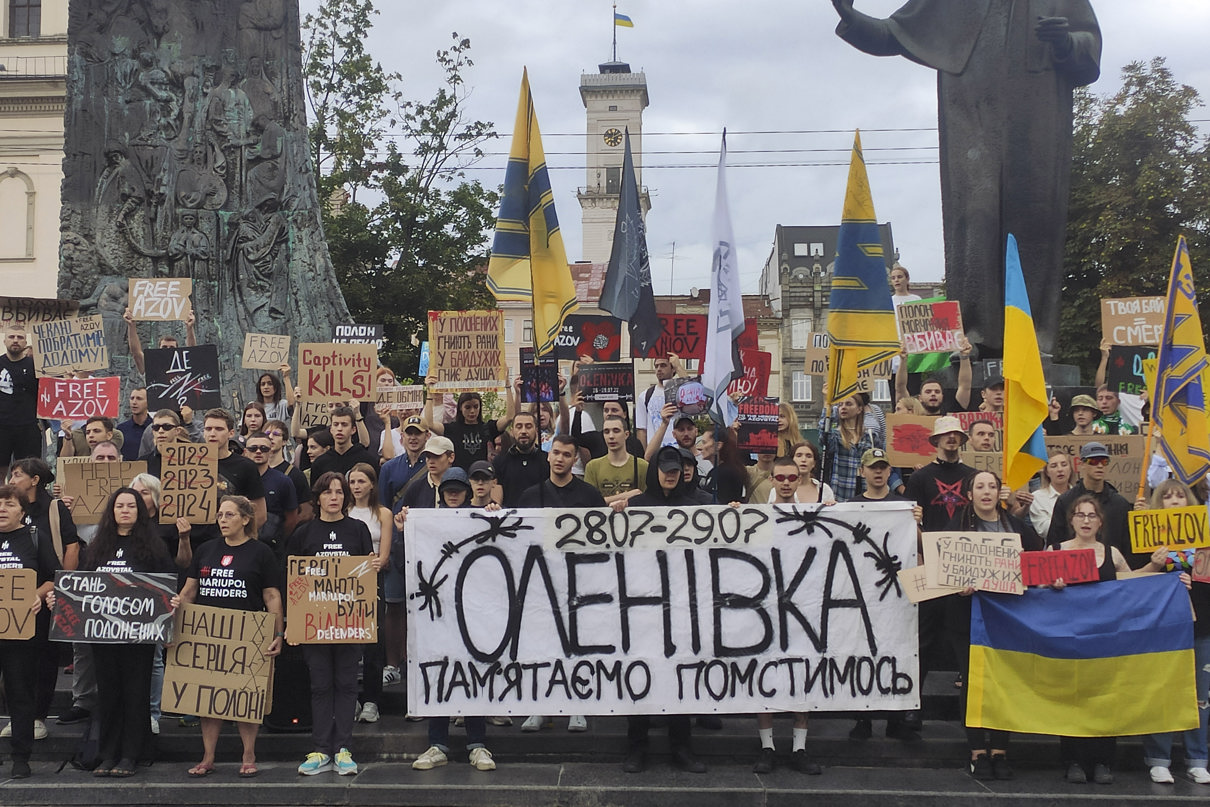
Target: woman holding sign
[(126, 541), (241, 573), (988, 748), (19, 657), (1157, 748), (333, 667)]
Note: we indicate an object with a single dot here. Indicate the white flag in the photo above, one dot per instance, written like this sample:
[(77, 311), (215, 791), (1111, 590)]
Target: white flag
[(725, 322)]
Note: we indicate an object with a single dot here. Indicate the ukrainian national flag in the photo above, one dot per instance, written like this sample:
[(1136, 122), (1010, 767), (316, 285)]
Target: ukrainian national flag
[(622, 21), (1025, 402), (1099, 660), (528, 262), (861, 317), (1180, 397)]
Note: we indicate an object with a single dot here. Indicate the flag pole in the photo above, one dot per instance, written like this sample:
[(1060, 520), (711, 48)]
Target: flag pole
[(614, 25)]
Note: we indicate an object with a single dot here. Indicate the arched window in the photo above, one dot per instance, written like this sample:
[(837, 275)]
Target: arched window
[(16, 231)]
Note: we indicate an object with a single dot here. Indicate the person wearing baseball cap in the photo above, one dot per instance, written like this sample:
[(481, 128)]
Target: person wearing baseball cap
[(482, 480), (993, 394), (437, 456), (1115, 531)]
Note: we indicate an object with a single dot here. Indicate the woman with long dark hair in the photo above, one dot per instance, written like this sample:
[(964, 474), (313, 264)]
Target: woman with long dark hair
[(250, 581), (126, 541), (333, 667), (269, 393), (252, 420), (469, 433), (729, 476), (984, 513)]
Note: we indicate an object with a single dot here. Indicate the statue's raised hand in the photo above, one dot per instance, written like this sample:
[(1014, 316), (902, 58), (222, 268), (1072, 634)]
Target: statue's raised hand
[(844, 8)]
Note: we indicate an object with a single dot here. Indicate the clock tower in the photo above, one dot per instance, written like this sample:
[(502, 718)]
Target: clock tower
[(614, 99)]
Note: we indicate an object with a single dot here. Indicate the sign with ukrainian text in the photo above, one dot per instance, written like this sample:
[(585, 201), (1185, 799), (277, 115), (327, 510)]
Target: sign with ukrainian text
[(1133, 320), (466, 350), (217, 666), (678, 610), (113, 607), (984, 561), (930, 327), (331, 600), (65, 346)]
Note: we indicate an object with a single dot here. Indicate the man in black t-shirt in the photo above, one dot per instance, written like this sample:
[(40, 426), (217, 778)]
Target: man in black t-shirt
[(524, 464), (345, 453), (238, 475), (18, 401)]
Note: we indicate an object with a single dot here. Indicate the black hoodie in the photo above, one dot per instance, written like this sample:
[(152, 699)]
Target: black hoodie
[(683, 495)]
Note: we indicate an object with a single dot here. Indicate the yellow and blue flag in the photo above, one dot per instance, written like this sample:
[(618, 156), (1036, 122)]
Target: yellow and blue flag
[(861, 317), (1025, 402), (1097, 660), (622, 21), (1179, 399), (528, 262)]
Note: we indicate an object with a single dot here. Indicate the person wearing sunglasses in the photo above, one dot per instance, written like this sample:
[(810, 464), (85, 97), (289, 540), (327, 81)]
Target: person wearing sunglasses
[(165, 428), (281, 500), (1093, 467)]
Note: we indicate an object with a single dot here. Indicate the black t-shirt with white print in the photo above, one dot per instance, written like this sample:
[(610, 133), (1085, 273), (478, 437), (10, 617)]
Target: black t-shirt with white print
[(344, 538), (234, 576)]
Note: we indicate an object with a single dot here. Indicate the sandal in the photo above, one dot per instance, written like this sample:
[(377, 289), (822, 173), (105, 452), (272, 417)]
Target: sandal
[(122, 770), (248, 770), (104, 769), (200, 771)]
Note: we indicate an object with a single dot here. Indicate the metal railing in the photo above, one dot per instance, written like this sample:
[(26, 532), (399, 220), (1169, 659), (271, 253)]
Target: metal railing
[(33, 66)]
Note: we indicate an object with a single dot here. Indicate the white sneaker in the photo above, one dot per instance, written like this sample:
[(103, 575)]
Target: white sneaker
[(1162, 776), (155, 725), (391, 676), (40, 732), (577, 723), (1199, 775), (533, 723), (500, 721), (7, 731), (369, 713), (432, 758), (481, 759)]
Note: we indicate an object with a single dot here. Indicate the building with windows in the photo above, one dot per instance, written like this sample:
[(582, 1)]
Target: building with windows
[(797, 279), (33, 86)]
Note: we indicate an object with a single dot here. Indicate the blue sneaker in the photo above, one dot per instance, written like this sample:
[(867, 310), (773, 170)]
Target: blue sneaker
[(345, 766), (315, 763)]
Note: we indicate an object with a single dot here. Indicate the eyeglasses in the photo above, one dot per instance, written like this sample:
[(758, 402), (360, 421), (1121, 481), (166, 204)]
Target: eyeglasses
[(163, 427), (786, 477), (274, 433), (259, 449), (1097, 461), (1085, 516)]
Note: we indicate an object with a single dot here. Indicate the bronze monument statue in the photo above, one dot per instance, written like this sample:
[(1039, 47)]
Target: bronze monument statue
[(1006, 70), (186, 155)]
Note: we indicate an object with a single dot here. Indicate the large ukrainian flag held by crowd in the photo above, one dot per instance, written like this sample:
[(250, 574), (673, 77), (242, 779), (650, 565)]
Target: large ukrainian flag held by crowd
[(528, 262), (861, 318), (1097, 660), (1180, 394)]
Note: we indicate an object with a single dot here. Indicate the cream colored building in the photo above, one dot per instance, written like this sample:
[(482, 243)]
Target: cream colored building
[(33, 82)]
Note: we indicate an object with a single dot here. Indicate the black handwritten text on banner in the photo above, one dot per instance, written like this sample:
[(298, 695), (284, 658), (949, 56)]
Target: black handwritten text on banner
[(675, 610)]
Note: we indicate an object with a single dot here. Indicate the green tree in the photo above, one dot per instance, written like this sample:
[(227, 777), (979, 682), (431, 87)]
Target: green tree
[(1139, 180), (408, 232)]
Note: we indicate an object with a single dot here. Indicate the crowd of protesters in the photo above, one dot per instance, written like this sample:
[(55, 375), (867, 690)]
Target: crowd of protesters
[(346, 487)]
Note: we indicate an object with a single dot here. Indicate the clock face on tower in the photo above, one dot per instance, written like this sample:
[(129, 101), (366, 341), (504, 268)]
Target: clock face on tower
[(612, 137)]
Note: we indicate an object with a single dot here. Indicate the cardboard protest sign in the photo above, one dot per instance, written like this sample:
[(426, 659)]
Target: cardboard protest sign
[(1126, 453), (312, 415), (1201, 565), (684, 336), (985, 561), (18, 589), (916, 585), (967, 418), (599, 337), (90, 485), (757, 366), (65, 346), (189, 473), (907, 442), (1133, 320), (331, 372), (399, 398), (930, 327), (160, 299), (539, 379), (183, 376), (1072, 565), (61, 464), (78, 399), (113, 607), (217, 665), (758, 420), (466, 350), (506, 592), (1124, 373), (28, 310), (606, 382), (816, 361), (1174, 527), (331, 600), (265, 351), (358, 335)]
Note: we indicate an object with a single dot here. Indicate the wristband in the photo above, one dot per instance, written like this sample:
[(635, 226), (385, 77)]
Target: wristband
[(279, 635)]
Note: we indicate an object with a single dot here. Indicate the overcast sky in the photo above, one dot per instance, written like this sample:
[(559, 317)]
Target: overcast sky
[(772, 72)]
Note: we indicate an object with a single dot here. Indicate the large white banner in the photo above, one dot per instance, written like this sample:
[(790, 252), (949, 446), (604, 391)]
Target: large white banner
[(672, 610)]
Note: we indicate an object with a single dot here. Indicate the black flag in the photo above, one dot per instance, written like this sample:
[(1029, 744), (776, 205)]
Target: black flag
[(627, 292)]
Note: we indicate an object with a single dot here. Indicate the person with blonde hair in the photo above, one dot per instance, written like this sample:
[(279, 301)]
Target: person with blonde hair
[(1056, 478), (789, 433)]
